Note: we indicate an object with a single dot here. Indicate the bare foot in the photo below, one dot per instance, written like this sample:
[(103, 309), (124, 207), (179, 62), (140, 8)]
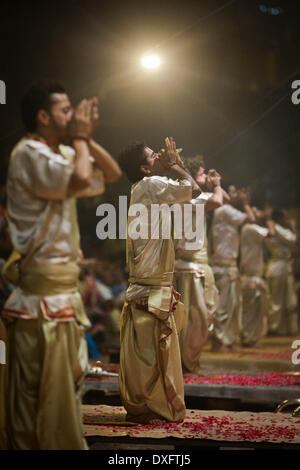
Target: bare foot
[(157, 421), (147, 418)]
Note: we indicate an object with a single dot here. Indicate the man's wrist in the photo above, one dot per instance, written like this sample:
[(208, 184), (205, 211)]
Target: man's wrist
[(77, 138), (80, 143), (81, 138), (175, 167)]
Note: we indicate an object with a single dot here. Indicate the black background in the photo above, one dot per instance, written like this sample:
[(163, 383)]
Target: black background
[(223, 89)]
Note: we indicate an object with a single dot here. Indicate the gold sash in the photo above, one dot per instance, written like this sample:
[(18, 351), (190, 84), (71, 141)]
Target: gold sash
[(230, 262), (162, 299), (51, 279), (10, 270)]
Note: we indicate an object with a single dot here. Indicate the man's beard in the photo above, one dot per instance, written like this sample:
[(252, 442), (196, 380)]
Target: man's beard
[(61, 132), (63, 136)]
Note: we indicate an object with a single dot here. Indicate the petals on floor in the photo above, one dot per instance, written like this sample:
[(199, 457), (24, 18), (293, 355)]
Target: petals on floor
[(209, 424)]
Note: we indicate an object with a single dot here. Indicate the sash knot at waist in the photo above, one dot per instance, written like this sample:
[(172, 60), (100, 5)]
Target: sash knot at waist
[(165, 279), (50, 279)]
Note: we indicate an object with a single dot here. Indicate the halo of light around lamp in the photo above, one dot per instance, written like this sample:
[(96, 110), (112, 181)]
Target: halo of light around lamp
[(150, 62)]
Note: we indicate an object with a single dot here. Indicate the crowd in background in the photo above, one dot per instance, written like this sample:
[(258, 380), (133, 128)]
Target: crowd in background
[(102, 286)]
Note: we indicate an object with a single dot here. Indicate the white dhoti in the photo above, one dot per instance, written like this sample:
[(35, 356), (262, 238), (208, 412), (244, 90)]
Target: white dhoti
[(282, 312), (255, 290), (283, 319), (255, 305), (224, 250), (194, 279), (228, 315), (200, 297)]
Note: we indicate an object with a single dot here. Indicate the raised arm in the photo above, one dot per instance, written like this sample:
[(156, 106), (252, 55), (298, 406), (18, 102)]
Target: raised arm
[(213, 183), (111, 170), (226, 198), (170, 159), (269, 222), (244, 197), (79, 129), (103, 159)]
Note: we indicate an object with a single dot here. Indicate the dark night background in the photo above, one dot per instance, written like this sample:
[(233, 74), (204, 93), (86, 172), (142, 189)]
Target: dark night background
[(223, 90)]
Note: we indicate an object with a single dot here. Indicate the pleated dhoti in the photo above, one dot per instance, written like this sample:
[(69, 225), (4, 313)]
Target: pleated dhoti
[(228, 315), (200, 298), (282, 313), (46, 362), (150, 376), (255, 307)]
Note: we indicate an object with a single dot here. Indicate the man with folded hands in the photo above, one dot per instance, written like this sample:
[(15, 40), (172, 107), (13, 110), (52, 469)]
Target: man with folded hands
[(44, 315), (150, 376)]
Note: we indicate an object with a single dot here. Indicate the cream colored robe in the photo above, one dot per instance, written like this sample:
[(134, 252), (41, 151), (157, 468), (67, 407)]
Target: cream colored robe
[(194, 280), (224, 252), (150, 375), (45, 318), (254, 288), (3, 440), (283, 320)]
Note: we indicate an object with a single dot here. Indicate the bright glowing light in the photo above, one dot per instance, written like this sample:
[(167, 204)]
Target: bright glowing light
[(151, 62)]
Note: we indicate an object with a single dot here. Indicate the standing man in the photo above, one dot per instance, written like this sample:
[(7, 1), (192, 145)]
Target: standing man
[(224, 253), (254, 287), (150, 376), (194, 277), (44, 315), (282, 314)]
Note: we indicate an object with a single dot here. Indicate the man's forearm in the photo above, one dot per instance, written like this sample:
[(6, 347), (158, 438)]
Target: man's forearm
[(216, 200), (180, 173), (249, 213), (226, 198), (292, 225), (82, 174), (105, 162), (271, 226), (217, 196)]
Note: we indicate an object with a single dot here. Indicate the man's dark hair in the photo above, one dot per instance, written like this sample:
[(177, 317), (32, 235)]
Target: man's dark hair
[(193, 164), (37, 97), (131, 159), (277, 215)]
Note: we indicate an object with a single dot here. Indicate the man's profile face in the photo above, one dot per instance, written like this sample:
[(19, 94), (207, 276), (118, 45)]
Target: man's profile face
[(61, 112), (233, 194), (200, 177), (153, 162)]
